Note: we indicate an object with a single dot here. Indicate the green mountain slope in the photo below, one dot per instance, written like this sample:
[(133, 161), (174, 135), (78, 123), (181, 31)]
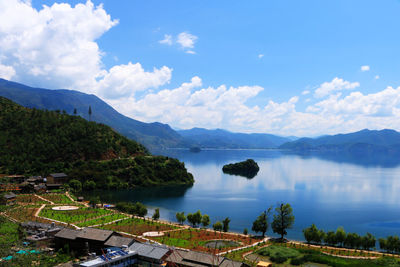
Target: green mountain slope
[(152, 135), (39, 142)]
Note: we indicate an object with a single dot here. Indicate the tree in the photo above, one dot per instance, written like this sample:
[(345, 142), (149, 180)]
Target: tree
[(180, 217), (75, 111), (340, 235), (90, 113), (283, 219), (368, 241), (205, 220), (75, 185), (89, 185), (245, 231), (217, 226), (226, 224), (140, 209), (261, 223), (194, 218), (330, 238), (312, 234), (156, 214)]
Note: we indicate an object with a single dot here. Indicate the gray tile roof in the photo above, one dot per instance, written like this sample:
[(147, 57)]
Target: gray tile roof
[(10, 195), (94, 234), (149, 251), (67, 234), (119, 241)]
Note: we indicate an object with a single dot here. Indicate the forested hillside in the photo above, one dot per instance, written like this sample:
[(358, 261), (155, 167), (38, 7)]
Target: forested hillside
[(38, 142), (153, 135)]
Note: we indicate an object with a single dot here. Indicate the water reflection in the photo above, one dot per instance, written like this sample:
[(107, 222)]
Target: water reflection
[(362, 197)]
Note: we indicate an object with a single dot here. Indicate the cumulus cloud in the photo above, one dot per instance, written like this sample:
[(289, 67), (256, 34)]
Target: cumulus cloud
[(337, 84), (184, 40), (260, 56), (56, 47), (305, 92), (365, 68), (377, 77)]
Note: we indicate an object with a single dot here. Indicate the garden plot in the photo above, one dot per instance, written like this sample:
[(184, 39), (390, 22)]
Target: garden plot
[(57, 198), (30, 199), (136, 226), (102, 220), (74, 216), (200, 240)]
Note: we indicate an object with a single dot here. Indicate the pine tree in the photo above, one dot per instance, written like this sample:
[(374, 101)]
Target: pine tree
[(90, 113)]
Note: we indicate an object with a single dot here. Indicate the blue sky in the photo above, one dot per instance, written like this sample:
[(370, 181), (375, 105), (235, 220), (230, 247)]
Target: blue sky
[(271, 56)]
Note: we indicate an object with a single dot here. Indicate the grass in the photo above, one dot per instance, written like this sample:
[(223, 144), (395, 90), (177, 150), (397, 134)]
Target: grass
[(74, 216), (8, 235), (197, 238), (102, 220), (57, 198), (30, 199), (138, 226)]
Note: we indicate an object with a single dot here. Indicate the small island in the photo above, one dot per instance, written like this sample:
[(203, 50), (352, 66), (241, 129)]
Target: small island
[(248, 168)]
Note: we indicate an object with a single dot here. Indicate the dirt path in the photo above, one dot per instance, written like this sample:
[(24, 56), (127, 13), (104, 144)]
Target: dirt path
[(42, 198)]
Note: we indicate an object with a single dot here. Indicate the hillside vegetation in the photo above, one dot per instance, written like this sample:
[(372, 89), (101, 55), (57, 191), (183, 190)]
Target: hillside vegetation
[(37, 142), (153, 135)]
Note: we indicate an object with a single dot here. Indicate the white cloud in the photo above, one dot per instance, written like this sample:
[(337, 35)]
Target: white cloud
[(56, 47), (377, 77), (126, 80), (365, 68), (6, 72), (186, 40), (260, 56), (167, 39), (305, 92), (337, 84)]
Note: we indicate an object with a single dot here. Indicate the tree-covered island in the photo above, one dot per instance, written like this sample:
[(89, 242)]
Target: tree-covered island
[(248, 168)]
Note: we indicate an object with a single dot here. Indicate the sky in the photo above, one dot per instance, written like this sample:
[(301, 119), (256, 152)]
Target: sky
[(302, 68)]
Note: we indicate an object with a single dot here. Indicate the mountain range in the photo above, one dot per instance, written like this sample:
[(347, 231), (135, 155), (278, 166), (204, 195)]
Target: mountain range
[(153, 135), (220, 138), (364, 141)]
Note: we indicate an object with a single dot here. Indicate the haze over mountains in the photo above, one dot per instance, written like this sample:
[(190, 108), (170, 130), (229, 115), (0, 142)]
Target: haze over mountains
[(158, 135), (358, 142)]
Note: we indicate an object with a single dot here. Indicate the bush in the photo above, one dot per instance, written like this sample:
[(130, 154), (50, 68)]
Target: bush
[(279, 254)]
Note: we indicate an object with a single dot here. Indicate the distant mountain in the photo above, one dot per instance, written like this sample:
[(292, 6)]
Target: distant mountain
[(357, 142), (152, 135), (224, 139)]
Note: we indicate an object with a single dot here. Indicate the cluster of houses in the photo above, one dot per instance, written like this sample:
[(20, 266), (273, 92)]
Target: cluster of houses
[(37, 184), (108, 248)]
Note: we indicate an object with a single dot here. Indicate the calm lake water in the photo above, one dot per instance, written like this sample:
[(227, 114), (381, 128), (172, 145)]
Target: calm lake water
[(358, 192)]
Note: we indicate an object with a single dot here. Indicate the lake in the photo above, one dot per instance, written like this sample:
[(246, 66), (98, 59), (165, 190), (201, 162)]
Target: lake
[(358, 192)]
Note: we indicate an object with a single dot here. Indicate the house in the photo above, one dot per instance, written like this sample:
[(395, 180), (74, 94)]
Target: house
[(84, 241), (8, 198), (150, 254), (190, 258), (119, 241), (122, 257), (42, 234), (57, 178)]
